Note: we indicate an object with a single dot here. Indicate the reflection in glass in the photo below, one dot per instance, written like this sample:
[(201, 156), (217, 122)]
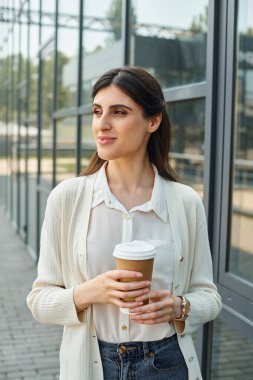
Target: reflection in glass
[(67, 58), (3, 128), (46, 120), (14, 143), (32, 156), (103, 43), (47, 19), (241, 251), (66, 149), (88, 144), (22, 105), (168, 38), (188, 118), (232, 354)]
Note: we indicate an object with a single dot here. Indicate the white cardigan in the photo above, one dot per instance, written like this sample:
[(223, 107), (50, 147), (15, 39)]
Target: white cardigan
[(62, 266)]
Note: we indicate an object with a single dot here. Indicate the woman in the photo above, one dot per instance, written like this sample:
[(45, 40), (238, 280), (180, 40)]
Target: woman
[(129, 192)]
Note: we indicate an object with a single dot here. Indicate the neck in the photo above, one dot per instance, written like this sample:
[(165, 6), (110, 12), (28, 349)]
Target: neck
[(130, 176)]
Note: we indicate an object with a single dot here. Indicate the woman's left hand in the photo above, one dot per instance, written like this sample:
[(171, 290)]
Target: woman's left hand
[(162, 307)]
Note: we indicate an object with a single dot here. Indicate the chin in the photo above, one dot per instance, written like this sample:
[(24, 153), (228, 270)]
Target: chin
[(107, 156)]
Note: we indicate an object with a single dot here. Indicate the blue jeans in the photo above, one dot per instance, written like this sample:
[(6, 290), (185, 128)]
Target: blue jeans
[(157, 360)]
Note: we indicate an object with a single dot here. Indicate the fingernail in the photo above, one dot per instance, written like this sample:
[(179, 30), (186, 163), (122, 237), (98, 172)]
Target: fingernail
[(139, 274)]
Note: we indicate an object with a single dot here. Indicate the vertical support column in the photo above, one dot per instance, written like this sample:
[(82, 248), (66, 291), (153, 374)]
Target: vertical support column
[(27, 109), (39, 139), (126, 5), (217, 18), (79, 89), (55, 91), (19, 121)]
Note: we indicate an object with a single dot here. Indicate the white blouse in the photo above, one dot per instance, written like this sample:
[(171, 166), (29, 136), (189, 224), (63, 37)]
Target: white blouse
[(110, 224)]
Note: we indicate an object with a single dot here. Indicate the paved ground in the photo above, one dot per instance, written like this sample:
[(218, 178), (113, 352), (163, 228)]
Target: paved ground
[(28, 350)]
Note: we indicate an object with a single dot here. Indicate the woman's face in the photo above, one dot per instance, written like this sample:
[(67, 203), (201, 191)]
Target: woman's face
[(119, 127)]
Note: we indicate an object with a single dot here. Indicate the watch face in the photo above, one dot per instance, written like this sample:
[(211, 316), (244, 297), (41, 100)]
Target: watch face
[(187, 307)]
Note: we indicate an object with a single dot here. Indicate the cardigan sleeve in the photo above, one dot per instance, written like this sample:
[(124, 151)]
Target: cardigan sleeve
[(202, 292), (49, 301)]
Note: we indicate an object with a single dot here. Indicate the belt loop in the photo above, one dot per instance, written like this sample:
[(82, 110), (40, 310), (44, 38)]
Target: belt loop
[(145, 349)]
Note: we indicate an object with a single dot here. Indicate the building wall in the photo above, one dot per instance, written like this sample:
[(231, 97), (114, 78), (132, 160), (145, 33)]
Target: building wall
[(51, 53)]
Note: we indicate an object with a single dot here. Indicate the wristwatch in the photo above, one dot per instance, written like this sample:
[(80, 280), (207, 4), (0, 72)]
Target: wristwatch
[(185, 309)]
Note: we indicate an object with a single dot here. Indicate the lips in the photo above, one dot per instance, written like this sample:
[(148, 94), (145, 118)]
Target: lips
[(105, 139)]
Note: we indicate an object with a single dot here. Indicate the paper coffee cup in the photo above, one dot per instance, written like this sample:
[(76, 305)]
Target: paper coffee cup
[(136, 256)]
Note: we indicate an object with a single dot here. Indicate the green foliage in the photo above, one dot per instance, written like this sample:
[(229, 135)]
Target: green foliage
[(114, 16), (200, 22)]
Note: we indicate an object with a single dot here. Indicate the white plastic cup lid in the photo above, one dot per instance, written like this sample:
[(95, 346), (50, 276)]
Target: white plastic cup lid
[(135, 250)]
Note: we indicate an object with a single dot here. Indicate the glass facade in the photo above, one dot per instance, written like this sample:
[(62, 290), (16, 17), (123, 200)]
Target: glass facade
[(67, 53), (102, 40), (65, 148), (168, 38), (52, 52), (241, 251), (188, 119)]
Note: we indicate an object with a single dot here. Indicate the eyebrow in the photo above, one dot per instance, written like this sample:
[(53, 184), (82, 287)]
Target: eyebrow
[(113, 106)]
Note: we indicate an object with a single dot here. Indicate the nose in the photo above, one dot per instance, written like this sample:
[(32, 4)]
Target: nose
[(103, 123)]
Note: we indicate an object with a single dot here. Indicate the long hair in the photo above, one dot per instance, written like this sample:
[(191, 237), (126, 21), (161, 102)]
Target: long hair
[(144, 89)]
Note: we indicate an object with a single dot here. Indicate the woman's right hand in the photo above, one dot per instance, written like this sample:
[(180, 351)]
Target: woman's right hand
[(107, 288)]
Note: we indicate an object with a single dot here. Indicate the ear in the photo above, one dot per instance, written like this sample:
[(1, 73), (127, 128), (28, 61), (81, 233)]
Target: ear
[(154, 123)]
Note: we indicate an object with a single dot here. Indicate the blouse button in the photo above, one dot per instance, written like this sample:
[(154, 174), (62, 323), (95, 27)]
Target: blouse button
[(181, 258), (124, 327), (191, 359)]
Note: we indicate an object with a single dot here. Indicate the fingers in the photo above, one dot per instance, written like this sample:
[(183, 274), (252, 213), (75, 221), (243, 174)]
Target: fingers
[(150, 308), (154, 294), (158, 311), (120, 274), (151, 315), (128, 305), (130, 286)]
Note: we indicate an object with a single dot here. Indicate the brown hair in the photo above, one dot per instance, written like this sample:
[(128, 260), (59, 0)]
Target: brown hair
[(144, 89)]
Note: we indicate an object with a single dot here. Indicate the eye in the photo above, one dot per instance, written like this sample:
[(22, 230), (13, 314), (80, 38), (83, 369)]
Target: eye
[(120, 112), (97, 111)]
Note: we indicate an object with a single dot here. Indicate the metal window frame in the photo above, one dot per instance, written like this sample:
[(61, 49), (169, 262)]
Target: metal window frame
[(79, 88), (236, 308), (237, 293)]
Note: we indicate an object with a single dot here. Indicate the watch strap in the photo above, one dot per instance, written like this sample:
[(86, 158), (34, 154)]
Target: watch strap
[(185, 309)]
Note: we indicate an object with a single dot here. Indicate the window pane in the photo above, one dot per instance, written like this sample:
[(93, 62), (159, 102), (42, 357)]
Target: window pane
[(103, 44), (15, 102), (188, 119), (232, 354), (88, 144), (46, 120), (241, 251), (22, 93), (169, 39), (66, 148), (47, 19), (33, 127), (67, 61)]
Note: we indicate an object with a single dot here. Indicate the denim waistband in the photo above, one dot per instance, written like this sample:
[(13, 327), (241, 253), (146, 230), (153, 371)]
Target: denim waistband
[(136, 348)]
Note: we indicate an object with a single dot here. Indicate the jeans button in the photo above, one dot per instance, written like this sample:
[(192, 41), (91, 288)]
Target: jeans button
[(122, 349)]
